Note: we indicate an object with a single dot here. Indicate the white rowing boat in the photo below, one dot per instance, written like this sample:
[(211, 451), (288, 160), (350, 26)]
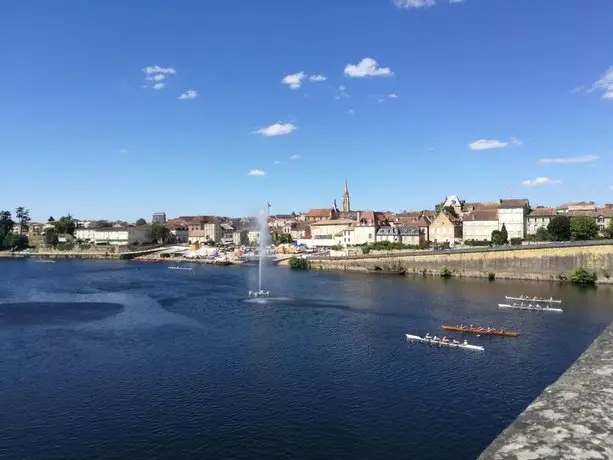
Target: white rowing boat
[(529, 307), (465, 344), (522, 298), (180, 268)]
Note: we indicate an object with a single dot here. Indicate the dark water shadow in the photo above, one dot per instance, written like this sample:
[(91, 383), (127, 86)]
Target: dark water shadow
[(49, 313)]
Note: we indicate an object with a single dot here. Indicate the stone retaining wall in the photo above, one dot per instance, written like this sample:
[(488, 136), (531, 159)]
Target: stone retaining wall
[(572, 418), (550, 264)]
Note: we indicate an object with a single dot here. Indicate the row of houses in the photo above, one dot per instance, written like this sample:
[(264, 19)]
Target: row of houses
[(452, 223)]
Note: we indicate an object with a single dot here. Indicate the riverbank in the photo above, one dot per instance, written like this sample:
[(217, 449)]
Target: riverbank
[(60, 255), (172, 260), (535, 264)]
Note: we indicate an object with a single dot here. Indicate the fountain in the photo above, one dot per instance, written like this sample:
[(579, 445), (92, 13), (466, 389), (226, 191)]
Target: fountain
[(263, 228)]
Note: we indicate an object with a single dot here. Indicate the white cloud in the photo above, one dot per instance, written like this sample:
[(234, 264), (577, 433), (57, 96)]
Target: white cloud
[(367, 67), (277, 129), (156, 77), (487, 144), (393, 96), (413, 3), (256, 173), (276, 162), (294, 81), (295, 157), (342, 88), (153, 69), (350, 112), (316, 78), (541, 181), (159, 85), (189, 94), (605, 84), (515, 141), (419, 3), (570, 160), (342, 94)]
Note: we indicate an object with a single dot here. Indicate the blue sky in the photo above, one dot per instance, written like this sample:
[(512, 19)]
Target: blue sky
[(83, 130)]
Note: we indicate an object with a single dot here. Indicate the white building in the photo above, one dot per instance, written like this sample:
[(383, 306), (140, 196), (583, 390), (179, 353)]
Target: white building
[(539, 218), (479, 225), (328, 233), (253, 236), (121, 236), (85, 234), (512, 213), (445, 229)]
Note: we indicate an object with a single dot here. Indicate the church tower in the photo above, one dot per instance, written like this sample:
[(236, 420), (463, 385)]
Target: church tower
[(346, 199)]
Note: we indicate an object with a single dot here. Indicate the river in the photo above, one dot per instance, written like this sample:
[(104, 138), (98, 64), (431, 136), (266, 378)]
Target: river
[(108, 359)]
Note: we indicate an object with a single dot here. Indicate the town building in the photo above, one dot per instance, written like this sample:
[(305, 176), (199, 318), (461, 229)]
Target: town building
[(478, 225), (404, 235), (122, 236), (319, 214), (85, 234), (328, 233), (445, 229), (158, 218), (179, 232), (253, 237), (300, 230), (580, 206), (240, 237), (512, 213), (204, 229), (539, 218)]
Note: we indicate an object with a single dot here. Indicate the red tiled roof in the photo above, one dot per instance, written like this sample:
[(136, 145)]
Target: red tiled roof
[(319, 212), (543, 212), (514, 203), (333, 222), (482, 214)]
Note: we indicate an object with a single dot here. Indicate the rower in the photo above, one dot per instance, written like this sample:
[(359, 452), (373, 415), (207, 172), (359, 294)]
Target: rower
[(465, 342)]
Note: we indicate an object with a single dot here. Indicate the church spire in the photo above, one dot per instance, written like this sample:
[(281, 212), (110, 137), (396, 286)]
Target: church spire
[(346, 199)]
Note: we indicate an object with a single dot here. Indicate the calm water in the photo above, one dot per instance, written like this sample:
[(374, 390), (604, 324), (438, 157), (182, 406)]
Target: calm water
[(121, 360)]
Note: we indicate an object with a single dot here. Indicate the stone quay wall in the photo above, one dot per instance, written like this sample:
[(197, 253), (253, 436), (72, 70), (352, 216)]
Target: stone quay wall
[(534, 263), (572, 418)]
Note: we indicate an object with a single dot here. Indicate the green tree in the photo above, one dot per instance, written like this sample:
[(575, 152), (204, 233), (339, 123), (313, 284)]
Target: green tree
[(497, 238), (542, 234), (559, 228), (23, 217), (15, 241), (451, 211), (140, 222), (583, 228), (103, 224), (51, 219), (504, 235), (608, 231), (6, 226), (159, 233), (51, 238), (66, 224)]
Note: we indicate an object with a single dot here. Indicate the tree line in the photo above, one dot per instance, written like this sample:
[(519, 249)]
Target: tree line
[(565, 228), (11, 231)]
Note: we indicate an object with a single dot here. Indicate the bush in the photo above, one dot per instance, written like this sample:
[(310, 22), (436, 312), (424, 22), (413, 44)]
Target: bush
[(477, 243), (491, 276), (445, 273), (606, 274), (14, 241), (582, 277), (516, 241), (298, 263), (65, 246)]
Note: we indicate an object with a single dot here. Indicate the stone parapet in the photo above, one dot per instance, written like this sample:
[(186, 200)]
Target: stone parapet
[(572, 418)]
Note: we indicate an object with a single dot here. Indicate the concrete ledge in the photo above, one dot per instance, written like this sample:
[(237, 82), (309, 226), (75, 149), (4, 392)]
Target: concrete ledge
[(572, 418)]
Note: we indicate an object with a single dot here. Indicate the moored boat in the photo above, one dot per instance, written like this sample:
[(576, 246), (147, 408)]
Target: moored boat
[(443, 343), (525, 298), (481, 330), (530, 306)]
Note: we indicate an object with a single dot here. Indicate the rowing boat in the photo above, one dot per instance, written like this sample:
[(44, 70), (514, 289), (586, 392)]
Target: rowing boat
[(180, 268), (522, 298), (480, 330), (529, 307), (416, 338)]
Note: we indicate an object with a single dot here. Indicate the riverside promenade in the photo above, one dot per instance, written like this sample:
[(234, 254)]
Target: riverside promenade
[(572, 418)]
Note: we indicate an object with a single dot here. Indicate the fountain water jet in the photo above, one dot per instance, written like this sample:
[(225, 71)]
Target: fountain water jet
[(263, 228)]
